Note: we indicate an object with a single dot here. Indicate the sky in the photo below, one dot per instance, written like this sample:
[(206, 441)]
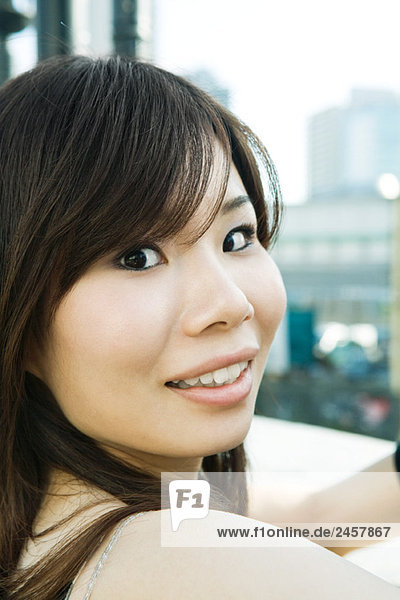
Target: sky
[(282, 60)]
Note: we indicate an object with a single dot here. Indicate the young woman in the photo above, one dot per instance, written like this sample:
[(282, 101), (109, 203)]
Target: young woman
[(138, 305)]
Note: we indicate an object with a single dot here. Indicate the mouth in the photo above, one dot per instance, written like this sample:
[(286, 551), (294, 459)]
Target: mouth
[(212, 379), (221, 393)]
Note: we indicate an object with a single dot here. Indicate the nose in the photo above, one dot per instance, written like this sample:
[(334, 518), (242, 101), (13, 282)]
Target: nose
[(213, 299)]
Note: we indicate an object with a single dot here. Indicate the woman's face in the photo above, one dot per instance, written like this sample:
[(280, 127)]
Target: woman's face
[(176, 312)]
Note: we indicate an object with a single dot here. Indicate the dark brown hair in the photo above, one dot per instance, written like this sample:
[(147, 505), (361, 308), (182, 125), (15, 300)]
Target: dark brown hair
[(95, 155)]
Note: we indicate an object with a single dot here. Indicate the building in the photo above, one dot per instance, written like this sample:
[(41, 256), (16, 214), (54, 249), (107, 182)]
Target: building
[(98, 23), (335, 259), (89, 27), (349, 147), (335, 250)]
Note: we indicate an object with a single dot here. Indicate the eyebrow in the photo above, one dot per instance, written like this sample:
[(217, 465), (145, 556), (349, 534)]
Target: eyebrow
[(234, 203), (226, 208)]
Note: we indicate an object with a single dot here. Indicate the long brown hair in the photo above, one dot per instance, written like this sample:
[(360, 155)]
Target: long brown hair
[(95, 155)]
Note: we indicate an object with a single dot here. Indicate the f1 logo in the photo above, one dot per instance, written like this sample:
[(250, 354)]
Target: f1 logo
[(189, 499)]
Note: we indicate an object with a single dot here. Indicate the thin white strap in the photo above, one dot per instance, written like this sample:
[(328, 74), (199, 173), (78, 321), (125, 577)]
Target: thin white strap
[(103, 557)]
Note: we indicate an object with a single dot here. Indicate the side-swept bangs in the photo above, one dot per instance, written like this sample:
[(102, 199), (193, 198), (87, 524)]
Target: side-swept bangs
[(110, 153)]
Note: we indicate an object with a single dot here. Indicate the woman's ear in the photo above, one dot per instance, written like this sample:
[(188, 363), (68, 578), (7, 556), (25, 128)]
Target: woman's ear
[(31, 361), (32, 368)]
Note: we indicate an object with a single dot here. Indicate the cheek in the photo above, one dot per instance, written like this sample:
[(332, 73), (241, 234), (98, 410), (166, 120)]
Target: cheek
[(107, 332), (268, 296)]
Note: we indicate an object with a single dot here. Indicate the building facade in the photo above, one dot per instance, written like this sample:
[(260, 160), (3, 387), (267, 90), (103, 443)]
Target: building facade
[(335, 258), (349, 147)]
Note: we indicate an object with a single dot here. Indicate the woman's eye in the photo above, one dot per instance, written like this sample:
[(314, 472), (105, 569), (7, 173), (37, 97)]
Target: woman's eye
[(239, 238), (140, 259)]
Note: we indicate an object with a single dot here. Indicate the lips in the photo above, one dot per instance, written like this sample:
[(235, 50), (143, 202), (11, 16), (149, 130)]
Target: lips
[(225, 396), (226, 375), (219, 362)]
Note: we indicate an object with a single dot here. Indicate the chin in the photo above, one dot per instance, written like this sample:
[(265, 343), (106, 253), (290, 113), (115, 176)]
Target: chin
[(230, 438)]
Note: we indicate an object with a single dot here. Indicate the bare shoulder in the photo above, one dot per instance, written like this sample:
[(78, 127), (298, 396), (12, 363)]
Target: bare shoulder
[(140, 567)]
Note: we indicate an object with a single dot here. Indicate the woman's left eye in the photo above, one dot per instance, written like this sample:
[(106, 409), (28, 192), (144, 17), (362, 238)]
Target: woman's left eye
[(242, 237)]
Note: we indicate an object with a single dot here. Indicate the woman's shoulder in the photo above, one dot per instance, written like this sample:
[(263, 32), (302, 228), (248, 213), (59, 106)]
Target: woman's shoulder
[(140, 560)]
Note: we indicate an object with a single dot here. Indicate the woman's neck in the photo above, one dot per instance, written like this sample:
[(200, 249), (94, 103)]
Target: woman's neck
[(155, 464)]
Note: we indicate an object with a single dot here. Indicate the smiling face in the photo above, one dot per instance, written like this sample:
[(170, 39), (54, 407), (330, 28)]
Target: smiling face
[(131, 325)]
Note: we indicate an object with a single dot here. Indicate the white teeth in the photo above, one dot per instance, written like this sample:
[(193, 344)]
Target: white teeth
[(216, 378), (234, 371), (207, 378), (192, 381), (220, 375)]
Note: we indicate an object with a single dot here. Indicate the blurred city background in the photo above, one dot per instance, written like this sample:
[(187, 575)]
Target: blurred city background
[(320, 84)]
